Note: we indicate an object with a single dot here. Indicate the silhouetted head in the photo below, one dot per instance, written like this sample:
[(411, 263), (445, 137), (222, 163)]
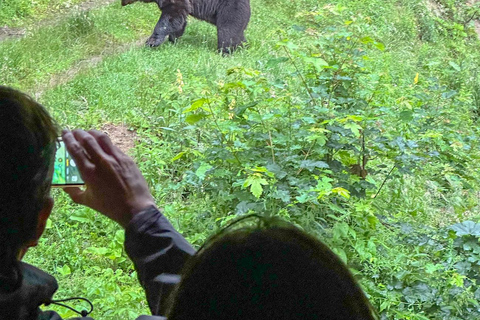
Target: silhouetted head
[(27, 148), (272, 271)]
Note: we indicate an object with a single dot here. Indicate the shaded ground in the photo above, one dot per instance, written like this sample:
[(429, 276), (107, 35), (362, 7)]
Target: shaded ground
[(121, 136)]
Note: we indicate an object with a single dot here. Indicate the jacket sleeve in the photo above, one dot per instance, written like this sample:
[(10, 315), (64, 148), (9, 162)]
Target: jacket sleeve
[(158, 252)]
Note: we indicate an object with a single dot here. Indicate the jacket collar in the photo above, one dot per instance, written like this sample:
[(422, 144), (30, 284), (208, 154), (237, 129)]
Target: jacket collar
[(37, 288)]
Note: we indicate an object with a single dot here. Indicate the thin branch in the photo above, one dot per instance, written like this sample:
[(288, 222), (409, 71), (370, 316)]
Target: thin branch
[(306, 155), (271, 145), (301, 76), (385, 180)]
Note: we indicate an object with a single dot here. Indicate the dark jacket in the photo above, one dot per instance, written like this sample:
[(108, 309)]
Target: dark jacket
[(37, 288), (157, 250)]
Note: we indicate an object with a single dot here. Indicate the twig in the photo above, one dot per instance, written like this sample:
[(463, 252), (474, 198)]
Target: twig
[(301, 76), (306, 156), (271, 145), (385, 180)]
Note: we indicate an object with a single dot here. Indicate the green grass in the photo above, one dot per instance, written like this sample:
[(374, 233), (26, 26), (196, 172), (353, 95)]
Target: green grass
[(149, 89), (15, 13)]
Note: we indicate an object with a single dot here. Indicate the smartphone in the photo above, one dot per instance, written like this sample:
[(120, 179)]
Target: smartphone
[(65, 172)]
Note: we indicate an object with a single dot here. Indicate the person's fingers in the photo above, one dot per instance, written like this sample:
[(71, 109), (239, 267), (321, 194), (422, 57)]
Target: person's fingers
[(91, 146), (76, 151), (106, 144), (76, 194)]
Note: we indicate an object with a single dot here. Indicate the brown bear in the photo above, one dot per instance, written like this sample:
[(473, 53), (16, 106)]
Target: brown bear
[(230, 16)]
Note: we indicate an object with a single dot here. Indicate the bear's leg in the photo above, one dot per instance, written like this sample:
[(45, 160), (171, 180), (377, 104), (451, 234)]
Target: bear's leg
[(232, 20), (175, 35), (172, 21)]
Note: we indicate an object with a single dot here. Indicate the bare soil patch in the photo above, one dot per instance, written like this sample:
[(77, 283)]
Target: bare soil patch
[(477, 27), (435, 7), (7, 32), (121, 136), (476, 23)]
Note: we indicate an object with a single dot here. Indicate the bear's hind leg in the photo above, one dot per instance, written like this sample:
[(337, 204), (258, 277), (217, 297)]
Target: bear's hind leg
[(232, 20)]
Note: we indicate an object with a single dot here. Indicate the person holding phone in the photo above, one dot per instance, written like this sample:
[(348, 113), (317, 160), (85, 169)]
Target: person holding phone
[(114, 187)]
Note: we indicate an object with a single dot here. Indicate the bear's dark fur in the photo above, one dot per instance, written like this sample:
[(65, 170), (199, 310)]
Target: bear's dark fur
[(230, 16)]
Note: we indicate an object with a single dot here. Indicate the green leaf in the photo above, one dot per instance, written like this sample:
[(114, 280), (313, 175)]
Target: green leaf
[(466, 228), (431, 268), (303, 198), (340, 230), (318, 63), (354, 127), (449, 94), (341, 192), (255, 182), (406, 115), (366, 40), (372, 221), (457, 280), (202, 170), (380, 46), (310, 165), (354, 117), (275, 61), (120, 236), (455, 66), (194, 118), (100, 251), (239, 111), (178, 156), (80, 218), (196, 104), (65, 270)]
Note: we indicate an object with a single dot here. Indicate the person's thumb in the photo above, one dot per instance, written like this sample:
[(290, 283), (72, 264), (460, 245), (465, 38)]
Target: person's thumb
[(76, 194)]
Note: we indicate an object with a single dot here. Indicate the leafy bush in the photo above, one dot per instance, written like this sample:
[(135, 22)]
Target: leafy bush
[(318, 143)]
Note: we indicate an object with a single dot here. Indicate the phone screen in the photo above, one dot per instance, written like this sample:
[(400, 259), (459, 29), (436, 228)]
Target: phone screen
[(65, 171)]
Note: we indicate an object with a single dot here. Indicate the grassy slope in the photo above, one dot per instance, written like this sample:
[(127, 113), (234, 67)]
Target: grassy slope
[(140, 87)]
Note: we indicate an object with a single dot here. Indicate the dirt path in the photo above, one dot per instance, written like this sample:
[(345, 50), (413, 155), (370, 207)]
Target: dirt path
[(80, 66), (83, 65), (9, 33)]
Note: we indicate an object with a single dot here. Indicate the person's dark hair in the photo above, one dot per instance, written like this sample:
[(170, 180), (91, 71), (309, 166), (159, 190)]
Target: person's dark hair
[(270, 271), (27, 149)]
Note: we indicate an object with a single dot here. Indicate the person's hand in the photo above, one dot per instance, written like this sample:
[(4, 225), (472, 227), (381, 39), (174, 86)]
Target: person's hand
[(114, 185)]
